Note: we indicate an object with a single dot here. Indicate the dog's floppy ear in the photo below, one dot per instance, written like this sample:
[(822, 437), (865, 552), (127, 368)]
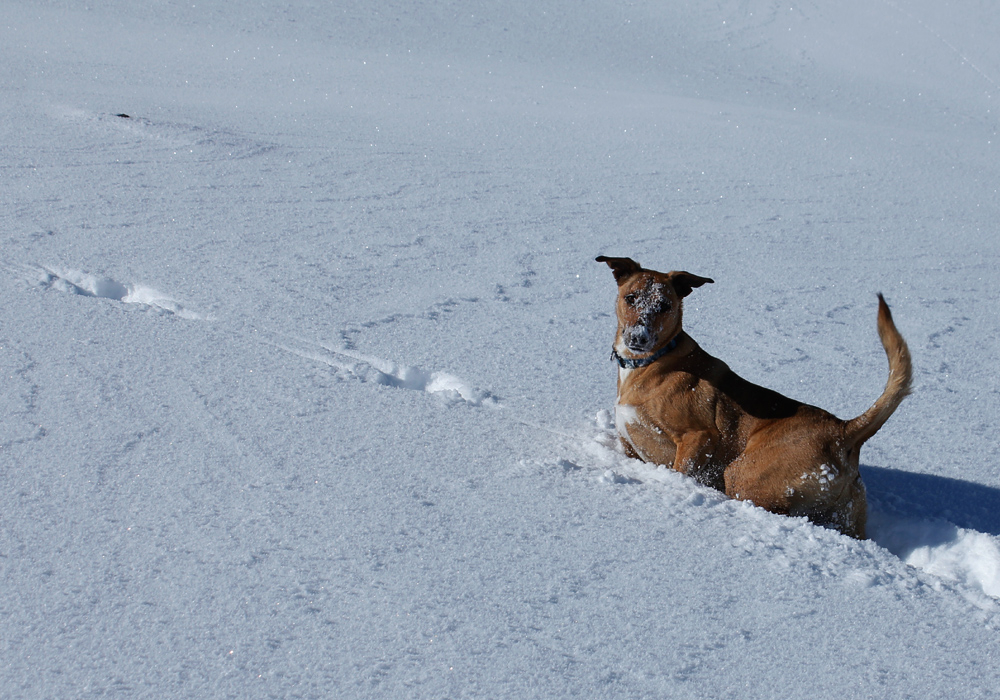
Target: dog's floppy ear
[(684, 282), (620, 267)]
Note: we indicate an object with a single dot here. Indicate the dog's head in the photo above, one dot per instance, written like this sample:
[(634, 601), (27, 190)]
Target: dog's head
[(649, 304)]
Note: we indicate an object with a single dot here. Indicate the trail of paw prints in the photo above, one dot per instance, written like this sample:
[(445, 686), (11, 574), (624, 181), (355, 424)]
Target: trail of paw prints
[(84, 284), (376, 370), (522, 281), (201, 142), (436, 311), (19, 400)]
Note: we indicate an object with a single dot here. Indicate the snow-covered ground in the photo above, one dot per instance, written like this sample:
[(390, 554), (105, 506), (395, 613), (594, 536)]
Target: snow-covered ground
[(304, 367)]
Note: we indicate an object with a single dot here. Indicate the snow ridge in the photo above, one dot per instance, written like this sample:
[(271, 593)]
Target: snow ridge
[(367, 368), (958, 555), (85, 284), (947, 556)]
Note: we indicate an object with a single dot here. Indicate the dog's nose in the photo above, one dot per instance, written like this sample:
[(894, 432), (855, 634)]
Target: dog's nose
[(637, 337)]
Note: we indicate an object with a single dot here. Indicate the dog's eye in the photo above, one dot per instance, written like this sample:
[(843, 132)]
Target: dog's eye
[(664, 307), (630, 299)]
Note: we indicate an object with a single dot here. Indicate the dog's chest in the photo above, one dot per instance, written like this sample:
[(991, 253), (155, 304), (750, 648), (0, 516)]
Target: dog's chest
[(646, 439), (649, 442)]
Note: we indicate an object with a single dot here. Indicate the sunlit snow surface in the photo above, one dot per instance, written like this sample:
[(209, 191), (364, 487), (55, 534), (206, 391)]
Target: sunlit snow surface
[(304, 351)]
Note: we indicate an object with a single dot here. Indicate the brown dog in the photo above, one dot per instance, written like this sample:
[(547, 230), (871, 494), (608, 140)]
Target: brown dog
[(679, 406)]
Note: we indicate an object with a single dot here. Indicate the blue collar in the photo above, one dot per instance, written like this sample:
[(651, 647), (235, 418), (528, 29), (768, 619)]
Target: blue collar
[(634, 363)]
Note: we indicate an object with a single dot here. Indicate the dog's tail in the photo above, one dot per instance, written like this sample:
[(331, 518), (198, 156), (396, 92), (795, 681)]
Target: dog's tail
[(897, 387)]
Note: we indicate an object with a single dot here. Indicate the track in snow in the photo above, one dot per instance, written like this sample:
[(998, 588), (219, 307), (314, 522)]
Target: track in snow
[(366, 368), (85, 284), (942, 527), (910, 515)]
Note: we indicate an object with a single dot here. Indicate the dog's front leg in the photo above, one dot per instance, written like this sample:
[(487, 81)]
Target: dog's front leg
[(694, 457), (627, 448)]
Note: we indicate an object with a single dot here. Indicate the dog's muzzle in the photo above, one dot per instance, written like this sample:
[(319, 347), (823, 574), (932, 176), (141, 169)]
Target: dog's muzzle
[(638, 339)]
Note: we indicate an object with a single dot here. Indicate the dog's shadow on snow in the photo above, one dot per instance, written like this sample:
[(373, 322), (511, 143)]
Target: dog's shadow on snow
[(933, 498)]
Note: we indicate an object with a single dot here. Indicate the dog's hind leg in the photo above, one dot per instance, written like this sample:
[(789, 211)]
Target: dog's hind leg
[(781, 482), (849, 516)]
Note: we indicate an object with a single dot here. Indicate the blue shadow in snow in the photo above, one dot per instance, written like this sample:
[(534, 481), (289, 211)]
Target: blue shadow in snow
[(964, 503)]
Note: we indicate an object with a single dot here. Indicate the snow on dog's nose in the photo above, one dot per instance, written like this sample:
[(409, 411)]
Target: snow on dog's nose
[(638, 338)]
